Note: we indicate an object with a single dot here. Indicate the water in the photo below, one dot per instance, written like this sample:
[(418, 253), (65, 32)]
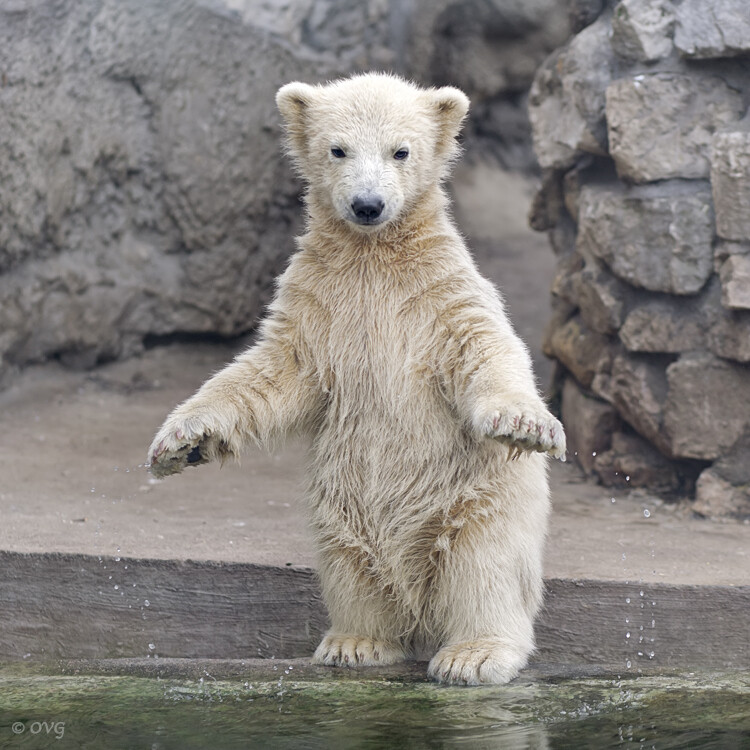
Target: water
[(334, 709)]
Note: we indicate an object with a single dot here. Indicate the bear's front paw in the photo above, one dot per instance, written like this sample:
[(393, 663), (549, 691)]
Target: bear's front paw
[(183, 441), (526, 428), (483, 662), (356, 651)]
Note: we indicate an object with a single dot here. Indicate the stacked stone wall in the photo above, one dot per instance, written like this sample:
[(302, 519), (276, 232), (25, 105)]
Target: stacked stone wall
[(640, 123)]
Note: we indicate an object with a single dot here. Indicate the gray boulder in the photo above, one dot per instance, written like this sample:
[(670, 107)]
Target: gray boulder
[(144, 192), (720, 28), (567, 98), (642, 29), (660, 125), (708, 406), (657, 239), (730, 167)]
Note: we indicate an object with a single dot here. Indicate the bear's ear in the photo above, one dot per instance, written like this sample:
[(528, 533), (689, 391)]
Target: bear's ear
[(294, 101), (451, 107)]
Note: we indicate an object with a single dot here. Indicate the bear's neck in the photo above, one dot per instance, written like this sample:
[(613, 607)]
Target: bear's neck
[(403, 240)]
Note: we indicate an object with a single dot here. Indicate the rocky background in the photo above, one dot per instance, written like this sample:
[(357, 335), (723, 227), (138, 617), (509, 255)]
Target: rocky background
[(143, 191), (641, 125)]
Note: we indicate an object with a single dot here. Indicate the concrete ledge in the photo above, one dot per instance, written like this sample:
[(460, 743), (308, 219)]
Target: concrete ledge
[(69, 606)]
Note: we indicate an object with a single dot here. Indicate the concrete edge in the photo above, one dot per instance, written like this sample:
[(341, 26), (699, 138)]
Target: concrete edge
[(72, 606)]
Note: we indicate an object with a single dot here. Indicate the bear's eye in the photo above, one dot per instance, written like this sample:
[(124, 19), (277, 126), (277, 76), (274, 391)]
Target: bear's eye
[(339, 153), (401, 154)]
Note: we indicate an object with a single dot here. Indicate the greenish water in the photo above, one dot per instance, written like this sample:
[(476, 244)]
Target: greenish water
[(366, 711)]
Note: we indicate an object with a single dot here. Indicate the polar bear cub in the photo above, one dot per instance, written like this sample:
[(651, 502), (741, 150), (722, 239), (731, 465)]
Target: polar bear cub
[(427, 489)]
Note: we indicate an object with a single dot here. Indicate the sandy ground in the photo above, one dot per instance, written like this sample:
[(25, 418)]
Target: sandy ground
[(73, 446)]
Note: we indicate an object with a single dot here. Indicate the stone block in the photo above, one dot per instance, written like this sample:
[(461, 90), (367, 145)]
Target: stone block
[(657, 237), (707, 408), (719, 28), (566, 100), (634, 462), (589, 424), (715, 497), (723, 490), (660, 125), (601, 298), (672, 324), (730, 167), (642, 29), (565, 283), (735, 281), (660, 327), (729, 335), (580, 349), (639, 389)]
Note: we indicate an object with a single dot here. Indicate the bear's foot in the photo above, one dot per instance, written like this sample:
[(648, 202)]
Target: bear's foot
[(481, 662), (526, 428), (356, 651)]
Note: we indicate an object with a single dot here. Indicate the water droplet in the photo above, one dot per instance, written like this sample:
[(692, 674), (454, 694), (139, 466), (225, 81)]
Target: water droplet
[(151, 646), (627, 600), (646, 513), (146, 603), (116, 587), (640, 593), (627, 635), (594, 454), (627, 663), (613, 500), (627, 478)]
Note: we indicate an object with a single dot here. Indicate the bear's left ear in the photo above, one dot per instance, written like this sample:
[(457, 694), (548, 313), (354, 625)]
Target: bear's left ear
[(451, 106), (294, 101)]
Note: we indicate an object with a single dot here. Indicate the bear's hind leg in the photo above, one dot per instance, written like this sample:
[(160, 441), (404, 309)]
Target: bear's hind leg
[(366, 629), (487, 593)]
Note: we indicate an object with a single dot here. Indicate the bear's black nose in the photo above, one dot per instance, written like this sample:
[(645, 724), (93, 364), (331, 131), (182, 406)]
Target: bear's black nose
[(367, 210)]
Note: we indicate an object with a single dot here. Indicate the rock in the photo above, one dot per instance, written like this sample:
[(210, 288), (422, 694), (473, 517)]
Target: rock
[(486, 48), (730, 167), (735, 282), (729, 336), (720, 28), (723, 490), (707, 408), (589, 424), (580, 349), (562, 237), (671, 324), (642, 29), (715, 497), (639, 389), (547, 203), (660, 125), (601, 298), (724, 249), (654, 237), (565, 285), (633, 462), (144, 193), (566, 100)]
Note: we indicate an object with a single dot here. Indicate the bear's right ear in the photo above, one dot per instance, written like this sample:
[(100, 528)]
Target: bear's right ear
[(294, 101)]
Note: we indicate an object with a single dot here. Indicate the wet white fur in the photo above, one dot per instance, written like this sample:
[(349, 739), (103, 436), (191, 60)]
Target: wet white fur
[(387, 348)]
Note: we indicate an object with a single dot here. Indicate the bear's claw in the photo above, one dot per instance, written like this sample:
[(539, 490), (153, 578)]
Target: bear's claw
[(526, 428)]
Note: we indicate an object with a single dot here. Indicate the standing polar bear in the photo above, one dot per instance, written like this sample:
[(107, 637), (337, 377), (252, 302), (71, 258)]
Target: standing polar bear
[(427, 490)]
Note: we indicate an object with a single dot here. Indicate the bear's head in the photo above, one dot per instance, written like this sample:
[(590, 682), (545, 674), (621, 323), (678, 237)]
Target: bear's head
[(369, 147)]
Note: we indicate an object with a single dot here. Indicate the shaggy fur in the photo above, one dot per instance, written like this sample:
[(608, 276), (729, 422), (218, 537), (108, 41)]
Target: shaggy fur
[(387, 348)]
